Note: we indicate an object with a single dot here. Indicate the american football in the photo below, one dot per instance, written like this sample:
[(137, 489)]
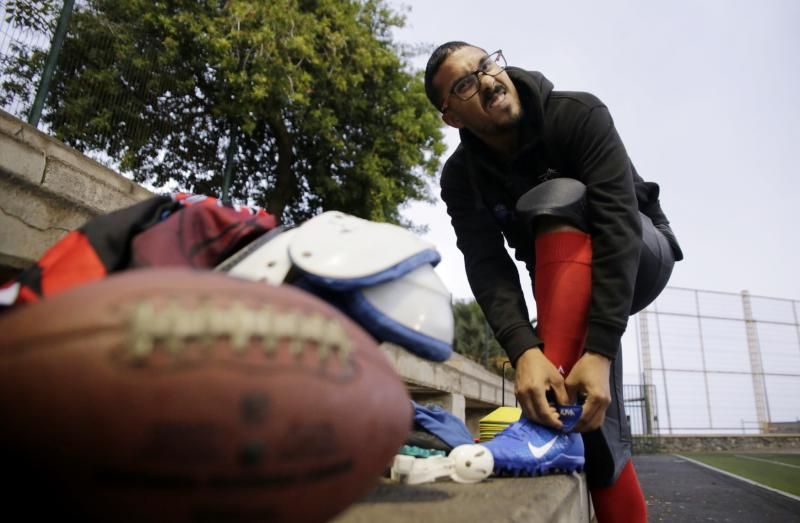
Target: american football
[(175, 395)]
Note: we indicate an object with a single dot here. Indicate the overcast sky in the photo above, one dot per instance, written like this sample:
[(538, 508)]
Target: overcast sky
[(705, 95)]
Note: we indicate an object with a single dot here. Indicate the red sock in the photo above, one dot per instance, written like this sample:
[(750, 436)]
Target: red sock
[(563, 292), (622, 502)]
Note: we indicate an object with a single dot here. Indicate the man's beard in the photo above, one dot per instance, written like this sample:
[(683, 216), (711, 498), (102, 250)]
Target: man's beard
[(512, 119), (511, 123), (508, 124)]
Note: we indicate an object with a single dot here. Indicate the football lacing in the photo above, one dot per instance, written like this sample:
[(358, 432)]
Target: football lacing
[(174, 325)]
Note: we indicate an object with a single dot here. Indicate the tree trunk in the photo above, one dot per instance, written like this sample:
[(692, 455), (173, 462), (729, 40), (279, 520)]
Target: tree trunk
[(285, 180)]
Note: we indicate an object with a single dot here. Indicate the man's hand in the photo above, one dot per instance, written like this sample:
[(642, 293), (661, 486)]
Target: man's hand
[(535, 376), (589, 377)]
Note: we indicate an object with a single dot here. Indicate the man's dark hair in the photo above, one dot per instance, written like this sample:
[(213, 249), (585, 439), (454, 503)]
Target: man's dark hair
[(434, 63)]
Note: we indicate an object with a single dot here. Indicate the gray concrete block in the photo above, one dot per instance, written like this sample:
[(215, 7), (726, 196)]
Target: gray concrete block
[(21, 160), (22, 245), (456, 375), (48, 189), (471, 387), (78, 186), (31, 221)]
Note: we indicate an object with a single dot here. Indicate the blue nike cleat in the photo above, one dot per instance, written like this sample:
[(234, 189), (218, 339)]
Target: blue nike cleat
[(526, 448)]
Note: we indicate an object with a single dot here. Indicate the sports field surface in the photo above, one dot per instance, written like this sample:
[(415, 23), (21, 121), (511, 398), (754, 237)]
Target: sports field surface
[(780, 471)]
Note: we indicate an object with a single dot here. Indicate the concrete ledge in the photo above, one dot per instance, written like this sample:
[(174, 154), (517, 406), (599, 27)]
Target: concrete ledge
[(557, 498), (459, 385), (457, 374), (48, 189), (20, 159), (31, 223)]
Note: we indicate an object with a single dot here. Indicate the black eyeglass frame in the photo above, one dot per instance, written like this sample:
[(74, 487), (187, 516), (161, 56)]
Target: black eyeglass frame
[(496, 57)]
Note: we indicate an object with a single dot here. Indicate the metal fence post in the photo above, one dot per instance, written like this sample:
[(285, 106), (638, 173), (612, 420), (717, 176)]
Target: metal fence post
[(646, 357), (756, 365), (50, 64), (703, 357), (796, 323), (663, 367), (647, 368)]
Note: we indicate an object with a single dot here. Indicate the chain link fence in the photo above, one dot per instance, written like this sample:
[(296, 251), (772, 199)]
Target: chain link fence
[(33, 36), (716, 363), (24, 31)]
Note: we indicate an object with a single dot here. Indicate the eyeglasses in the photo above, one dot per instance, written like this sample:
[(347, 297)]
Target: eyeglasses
[(468, 86)]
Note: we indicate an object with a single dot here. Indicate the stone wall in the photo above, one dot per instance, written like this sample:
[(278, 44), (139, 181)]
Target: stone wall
[(733, 443), (48, 189)]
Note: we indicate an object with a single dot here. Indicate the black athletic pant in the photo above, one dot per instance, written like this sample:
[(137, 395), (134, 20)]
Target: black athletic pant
[(608, 448)]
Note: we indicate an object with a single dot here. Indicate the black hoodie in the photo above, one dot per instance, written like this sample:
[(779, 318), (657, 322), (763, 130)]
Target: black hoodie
[(564, 134)]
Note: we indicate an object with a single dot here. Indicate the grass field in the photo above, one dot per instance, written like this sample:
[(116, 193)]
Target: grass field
[(777, 470)]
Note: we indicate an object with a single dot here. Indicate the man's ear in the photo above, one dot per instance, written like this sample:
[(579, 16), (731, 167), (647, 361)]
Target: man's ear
[(452, 120)]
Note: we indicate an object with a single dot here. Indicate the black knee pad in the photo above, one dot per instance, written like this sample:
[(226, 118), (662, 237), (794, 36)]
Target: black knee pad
[(563, 198)]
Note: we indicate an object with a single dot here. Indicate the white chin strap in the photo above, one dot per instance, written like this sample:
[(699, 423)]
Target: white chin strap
[(380, 274), (465, 464)]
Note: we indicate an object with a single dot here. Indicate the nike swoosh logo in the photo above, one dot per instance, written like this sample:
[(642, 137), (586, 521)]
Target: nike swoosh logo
[(539, 452)]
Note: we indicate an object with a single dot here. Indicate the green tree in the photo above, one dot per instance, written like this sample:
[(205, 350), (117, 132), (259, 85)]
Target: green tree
[(474, 338), (320, 103), (19, 63), (30, 14)]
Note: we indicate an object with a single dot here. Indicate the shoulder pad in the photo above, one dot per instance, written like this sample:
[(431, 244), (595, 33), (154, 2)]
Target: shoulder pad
[(413, 311), (266, 259), (339, 251)]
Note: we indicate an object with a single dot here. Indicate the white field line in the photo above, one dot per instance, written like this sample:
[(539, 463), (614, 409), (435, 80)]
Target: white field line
[(740, 478), (768, 461)]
